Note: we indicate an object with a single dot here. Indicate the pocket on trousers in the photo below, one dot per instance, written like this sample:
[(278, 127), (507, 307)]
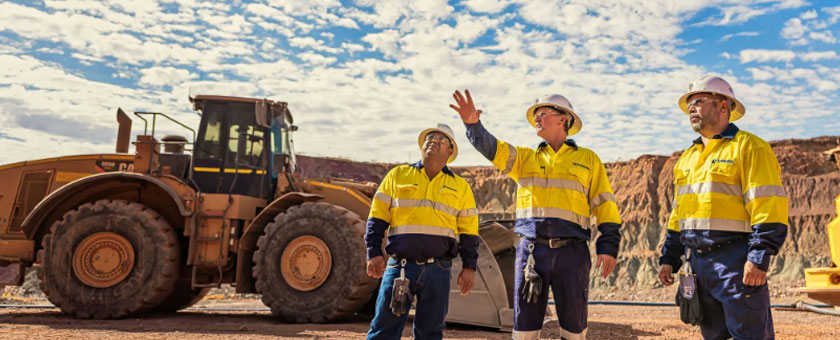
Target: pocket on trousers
[(444, 264), (757, 297)]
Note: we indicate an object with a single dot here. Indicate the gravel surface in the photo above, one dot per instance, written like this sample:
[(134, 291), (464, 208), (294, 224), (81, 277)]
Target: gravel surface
[(605, 322)]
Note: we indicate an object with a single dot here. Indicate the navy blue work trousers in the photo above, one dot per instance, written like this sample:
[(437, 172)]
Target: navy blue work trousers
[(430, 284), (730, 309), (566, 271)]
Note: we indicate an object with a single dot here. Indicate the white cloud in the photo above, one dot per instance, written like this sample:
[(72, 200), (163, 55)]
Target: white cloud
[(309, 42), (352, 47), (759, 55), (299, 8), (817, 56), (739, 34), (316, 59), (824, 36), (812, 14), (487, 6), (347, 22), (810, 28), (384, 41), (760, 74), (833, 14), (739, 12), (623, 64), (793, 29), (164, 76)]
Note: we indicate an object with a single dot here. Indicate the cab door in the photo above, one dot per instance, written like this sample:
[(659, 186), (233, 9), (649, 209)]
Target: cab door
[(209, 154), (246, 173)]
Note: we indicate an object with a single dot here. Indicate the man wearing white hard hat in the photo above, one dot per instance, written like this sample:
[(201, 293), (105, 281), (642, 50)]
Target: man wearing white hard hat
[(730, 212), (561, 186), (430, 216)]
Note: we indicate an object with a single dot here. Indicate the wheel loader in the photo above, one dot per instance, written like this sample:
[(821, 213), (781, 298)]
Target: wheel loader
[(116, 235)]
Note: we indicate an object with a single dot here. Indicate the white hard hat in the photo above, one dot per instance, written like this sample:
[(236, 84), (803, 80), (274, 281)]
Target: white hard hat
[(444, 129), (558, 102), (715, 85)]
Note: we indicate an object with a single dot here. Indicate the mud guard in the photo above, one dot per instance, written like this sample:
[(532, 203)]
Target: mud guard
[(81, 188)]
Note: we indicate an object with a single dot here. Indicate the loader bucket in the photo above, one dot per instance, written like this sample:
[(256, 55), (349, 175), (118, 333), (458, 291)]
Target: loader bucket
[(490, 304)]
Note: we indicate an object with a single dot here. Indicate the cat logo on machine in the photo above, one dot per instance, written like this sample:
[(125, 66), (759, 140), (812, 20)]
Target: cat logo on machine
[(109, 166)]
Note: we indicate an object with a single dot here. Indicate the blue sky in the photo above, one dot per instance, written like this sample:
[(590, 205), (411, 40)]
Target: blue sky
[(363, 77)]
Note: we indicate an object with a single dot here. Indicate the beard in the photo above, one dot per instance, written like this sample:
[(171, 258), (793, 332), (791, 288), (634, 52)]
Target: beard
[(703, 123), (697, 126)]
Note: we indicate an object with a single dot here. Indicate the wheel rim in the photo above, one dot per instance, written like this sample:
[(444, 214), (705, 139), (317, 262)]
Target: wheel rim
[(103, 259), (306, 263)]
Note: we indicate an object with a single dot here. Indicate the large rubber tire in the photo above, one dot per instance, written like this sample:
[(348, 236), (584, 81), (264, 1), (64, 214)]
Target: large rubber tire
[(152, 278), (346, 289), (183, 295)]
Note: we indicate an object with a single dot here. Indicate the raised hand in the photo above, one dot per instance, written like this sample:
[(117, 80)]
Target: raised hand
[(465, 107)]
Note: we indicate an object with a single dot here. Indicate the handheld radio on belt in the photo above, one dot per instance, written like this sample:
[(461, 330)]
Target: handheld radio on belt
[(401, 297)]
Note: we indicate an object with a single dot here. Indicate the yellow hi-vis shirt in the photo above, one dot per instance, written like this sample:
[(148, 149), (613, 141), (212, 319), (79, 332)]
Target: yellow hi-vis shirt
[(570, 184), (424, 213), (730, 184), (560, 194)]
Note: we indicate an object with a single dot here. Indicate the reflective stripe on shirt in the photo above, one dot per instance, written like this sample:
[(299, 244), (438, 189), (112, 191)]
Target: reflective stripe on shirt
[(421, 229)]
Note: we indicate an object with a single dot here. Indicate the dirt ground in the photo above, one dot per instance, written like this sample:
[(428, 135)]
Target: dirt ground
[(605, 322)]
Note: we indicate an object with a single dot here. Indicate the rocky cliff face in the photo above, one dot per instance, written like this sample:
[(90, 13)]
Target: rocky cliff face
[(644, 190)]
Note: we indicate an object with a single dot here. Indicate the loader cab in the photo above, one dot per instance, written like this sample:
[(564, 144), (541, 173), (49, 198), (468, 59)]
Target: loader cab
[(233, 150)]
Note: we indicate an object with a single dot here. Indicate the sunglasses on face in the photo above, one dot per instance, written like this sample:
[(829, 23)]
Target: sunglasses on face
[(700, 101), (440, 138)]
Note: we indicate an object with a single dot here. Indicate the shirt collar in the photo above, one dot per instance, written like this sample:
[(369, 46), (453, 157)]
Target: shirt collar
[(569, 142), (729, 133), (419, 165)]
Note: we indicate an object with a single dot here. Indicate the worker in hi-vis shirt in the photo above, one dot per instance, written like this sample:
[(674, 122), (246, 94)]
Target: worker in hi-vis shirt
[(731, 212), (561, 186), (430, 217)]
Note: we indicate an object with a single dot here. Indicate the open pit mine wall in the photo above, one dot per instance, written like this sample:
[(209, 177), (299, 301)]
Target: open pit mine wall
[(644, 190)]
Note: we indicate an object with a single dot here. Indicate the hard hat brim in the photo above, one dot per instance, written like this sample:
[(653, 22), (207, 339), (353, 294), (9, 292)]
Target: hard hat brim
[(422, 138), (573, 130), (736, 113)]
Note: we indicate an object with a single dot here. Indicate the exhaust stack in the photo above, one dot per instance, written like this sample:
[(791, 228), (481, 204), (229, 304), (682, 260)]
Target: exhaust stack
[(124, 133)]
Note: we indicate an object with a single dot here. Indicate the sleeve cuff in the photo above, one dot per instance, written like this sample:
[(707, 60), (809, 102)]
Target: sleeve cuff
[(675, 263), (759, 258), (374, 252), (606, 249), (469, 250), (375, 232), (469, 262), (609, 240)]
